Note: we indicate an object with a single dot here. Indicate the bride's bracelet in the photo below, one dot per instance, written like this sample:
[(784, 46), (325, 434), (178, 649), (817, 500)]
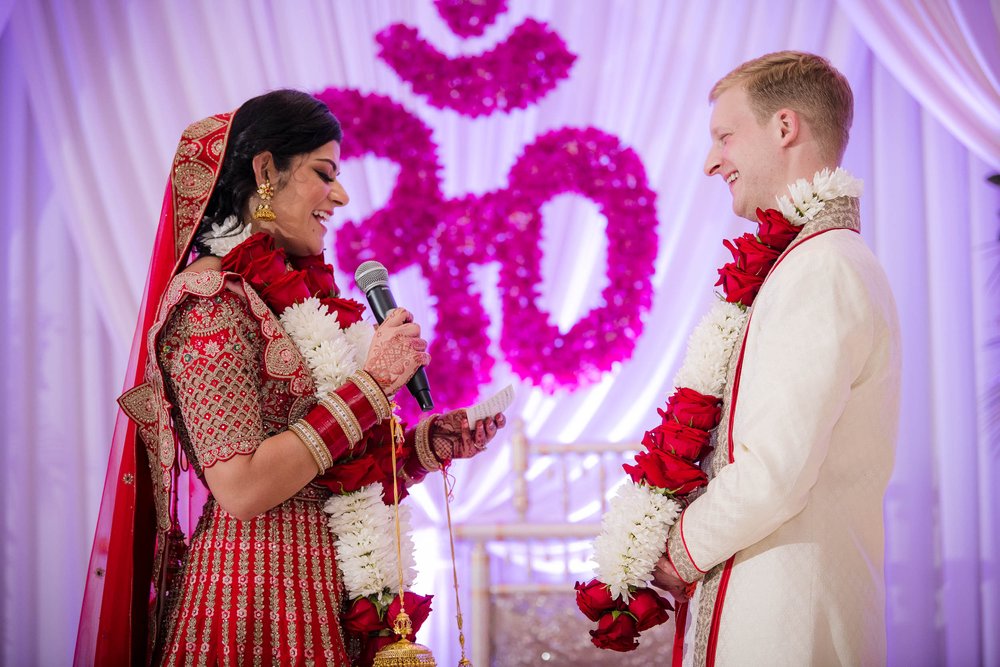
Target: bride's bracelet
[(338, 422), (422, 443)]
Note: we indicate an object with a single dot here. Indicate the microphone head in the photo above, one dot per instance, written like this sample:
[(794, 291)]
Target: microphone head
[(371, 274)]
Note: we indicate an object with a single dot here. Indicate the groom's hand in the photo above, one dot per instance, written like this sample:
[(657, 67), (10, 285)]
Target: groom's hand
[(666, 578)]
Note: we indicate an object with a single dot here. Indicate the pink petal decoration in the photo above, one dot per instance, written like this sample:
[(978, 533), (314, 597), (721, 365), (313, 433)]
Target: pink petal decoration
[(470, 19), (517, 72), (445, 238)]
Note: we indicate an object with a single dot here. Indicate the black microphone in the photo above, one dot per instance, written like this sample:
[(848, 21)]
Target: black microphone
[(373, 279)]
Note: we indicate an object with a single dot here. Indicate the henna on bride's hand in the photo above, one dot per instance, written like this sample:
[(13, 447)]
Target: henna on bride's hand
[(396, 352), (453, 436)]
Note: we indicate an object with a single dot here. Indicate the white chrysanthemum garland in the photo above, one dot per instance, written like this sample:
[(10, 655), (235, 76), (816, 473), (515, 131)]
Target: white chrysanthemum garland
[(222, 238), (631, 539), (362, 524), (638, 517), (366, 544), (332, 353), (806, 199)]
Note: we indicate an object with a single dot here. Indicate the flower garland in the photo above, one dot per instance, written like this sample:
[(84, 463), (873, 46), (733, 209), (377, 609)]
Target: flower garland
[(366, 545), (634, 529), (334, 342)]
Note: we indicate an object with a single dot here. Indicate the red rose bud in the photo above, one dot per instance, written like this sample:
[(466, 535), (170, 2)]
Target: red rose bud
[(282, 293), (238, 259), (418, 608), (307, 261), (352, 475), (752, 256), (694, 409), (363, 617), (666, 471), (594, 599), (649, 609), (739, 287), (684, 441), (653, 439), (265, 269), (615, 631), (348, 311), (774, 230), (320, 280)]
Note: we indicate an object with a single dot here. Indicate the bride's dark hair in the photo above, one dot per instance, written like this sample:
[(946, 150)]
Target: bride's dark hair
[(285, 122)]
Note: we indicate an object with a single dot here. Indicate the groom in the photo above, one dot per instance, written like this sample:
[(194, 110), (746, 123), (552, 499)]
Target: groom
[(785, 543)]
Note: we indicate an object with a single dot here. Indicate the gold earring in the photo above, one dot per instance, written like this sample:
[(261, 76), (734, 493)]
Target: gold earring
[(264, 210)]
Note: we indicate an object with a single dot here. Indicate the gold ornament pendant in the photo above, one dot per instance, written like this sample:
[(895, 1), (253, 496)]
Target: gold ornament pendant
[(404, 653)]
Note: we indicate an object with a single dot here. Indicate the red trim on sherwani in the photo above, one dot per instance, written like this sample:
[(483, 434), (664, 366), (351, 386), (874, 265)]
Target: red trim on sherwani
[(727, 571)]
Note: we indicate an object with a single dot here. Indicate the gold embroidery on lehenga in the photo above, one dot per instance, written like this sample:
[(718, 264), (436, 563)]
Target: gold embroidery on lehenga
[(322, 611), (259, 567), (304, 576), (288, 549), (292, 612), (228, 584)]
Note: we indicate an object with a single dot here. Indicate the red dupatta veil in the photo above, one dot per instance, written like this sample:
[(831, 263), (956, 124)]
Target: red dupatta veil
[(132, 536)]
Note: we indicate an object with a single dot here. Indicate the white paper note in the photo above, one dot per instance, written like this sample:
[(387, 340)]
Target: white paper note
[(494, 405)]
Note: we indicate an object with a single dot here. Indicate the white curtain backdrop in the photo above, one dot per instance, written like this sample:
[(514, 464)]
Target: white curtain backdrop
[(94, 95)]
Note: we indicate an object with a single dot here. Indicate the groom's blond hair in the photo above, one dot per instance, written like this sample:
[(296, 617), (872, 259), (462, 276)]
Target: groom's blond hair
[(804, 82)]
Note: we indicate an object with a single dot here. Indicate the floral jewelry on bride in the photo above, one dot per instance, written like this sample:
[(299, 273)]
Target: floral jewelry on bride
[(332, 338)]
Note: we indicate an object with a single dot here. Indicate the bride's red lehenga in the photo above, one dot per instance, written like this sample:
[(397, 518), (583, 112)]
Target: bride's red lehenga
[(263, 590), (225, 376)]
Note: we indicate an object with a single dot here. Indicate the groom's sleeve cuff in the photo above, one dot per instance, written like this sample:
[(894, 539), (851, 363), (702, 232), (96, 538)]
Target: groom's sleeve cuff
[(679, 556)]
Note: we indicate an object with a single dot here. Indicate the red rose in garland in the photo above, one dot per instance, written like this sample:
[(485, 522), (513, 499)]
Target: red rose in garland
[(666, 471), (649, 609), (348, 311), (375, 628), (774, 230), (240, 257), (318, 275), (418, 608), (752, 256), (742, 278), (672, 437), (693, 409), (594, 600), (363, 617), (664, 475), (616, 631), (289, 289), (266, 268), (737, 285)]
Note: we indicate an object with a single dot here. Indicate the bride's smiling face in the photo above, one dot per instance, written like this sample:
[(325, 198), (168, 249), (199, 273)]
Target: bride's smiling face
[(305, 196)]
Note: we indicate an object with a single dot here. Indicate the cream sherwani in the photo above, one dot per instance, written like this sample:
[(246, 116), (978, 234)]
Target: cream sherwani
[(787, 537)]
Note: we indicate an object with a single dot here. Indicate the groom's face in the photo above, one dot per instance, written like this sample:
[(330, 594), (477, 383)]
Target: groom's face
[(744, 153)]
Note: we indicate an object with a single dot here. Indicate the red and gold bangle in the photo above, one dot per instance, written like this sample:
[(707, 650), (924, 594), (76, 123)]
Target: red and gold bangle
[(373, 392), (335, 424), (313, 442), (422, 443), (345, 417)]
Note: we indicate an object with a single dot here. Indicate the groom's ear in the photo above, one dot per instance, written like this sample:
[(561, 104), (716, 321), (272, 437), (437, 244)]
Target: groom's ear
[(787, 125)]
